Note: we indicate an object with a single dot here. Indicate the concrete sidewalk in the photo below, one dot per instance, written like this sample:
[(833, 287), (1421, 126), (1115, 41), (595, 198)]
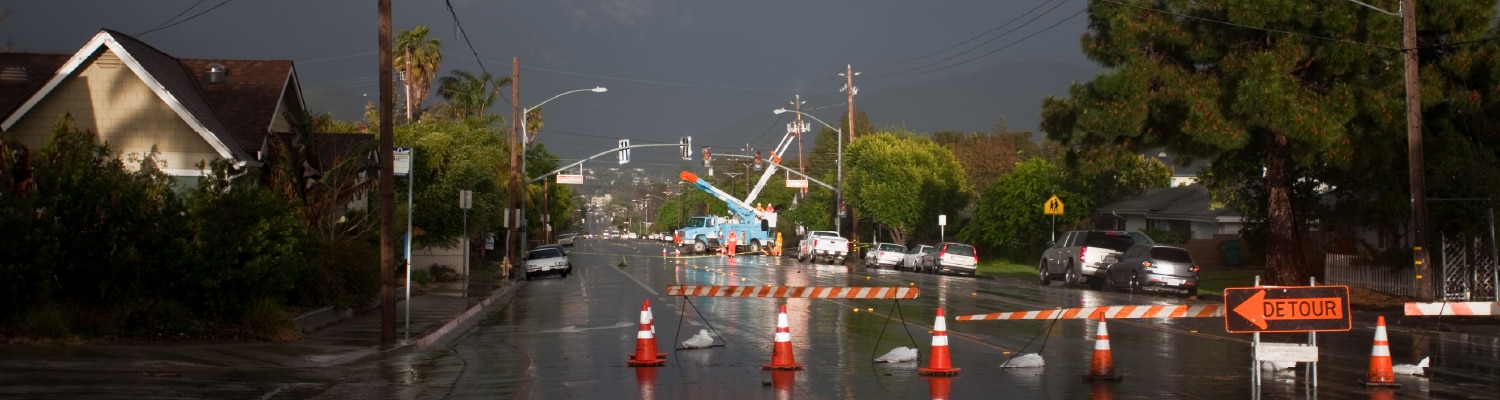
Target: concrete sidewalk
[(340, 338)]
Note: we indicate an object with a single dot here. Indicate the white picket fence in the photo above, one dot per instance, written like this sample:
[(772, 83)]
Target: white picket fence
[(1341, 269)]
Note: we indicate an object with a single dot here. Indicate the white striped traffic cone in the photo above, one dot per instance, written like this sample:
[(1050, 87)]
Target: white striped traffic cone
[(939, 364), (1102, 368), (1380, 359), (645, 342), (781, 352)]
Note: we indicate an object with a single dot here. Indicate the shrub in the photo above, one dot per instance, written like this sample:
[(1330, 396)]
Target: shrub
[(443, 273), (48, 320), (266, 319)]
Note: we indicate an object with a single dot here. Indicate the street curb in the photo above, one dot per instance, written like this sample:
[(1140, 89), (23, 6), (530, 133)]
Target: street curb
[(432, 336)]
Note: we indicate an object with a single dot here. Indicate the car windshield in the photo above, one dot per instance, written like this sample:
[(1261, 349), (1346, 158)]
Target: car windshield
[(892, 247), (959, 249), (918, 250), (1171, 254), (698, 222), (1110, 240), (545, 253)]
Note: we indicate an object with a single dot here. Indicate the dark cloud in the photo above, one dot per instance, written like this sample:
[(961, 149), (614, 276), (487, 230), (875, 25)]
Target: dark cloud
[(673, 67)]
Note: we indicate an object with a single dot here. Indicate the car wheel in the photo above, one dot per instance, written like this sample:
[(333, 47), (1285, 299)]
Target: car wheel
[(528, 276), (1070, 275), (755, 246), (699, 247), (1042, 278), (1135, 283)]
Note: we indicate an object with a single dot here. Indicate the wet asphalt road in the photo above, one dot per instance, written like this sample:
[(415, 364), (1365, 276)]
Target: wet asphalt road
[(570, 337), (560, 338)]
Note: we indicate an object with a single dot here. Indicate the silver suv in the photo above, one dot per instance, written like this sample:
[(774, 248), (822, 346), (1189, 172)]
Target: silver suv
[(1078, 256)]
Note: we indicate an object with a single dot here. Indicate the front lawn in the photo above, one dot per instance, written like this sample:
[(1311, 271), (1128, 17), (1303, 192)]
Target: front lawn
[(1005, 269), (1213, 281)]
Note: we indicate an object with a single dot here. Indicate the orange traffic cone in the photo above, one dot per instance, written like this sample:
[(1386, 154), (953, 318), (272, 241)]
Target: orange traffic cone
[(1380, 359), (645, 342), (939, 364), (781, 352), (1103, 366)]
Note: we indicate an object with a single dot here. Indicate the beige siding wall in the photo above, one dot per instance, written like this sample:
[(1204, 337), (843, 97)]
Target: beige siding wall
[(107, 97)]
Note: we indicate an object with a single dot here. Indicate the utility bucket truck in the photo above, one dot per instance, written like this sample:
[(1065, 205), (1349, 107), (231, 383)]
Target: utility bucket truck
[(752, 228)]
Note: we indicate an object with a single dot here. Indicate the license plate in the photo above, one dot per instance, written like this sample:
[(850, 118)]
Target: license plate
[(1174, 282)]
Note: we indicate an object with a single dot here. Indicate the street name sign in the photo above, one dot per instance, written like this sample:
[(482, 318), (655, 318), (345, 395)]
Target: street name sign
[(1287, 309)]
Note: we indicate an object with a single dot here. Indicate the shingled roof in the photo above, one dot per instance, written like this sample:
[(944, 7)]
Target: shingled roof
[(234, 116), (21, 74), (1189, 203)]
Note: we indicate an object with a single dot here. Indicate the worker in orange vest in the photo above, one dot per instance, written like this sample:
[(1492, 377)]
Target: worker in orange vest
[(729, 248)]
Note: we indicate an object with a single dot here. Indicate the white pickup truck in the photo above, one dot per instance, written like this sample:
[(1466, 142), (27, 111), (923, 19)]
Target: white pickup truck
[(825, 246)]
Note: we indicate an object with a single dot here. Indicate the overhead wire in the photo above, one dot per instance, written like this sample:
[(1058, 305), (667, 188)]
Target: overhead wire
[(976, 37), (925, 69), (460, 26), (168, 24), (1227, 23)]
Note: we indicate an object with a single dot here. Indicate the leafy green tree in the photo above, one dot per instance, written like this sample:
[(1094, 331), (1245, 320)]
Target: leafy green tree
[(452, 155), (1009, 217), (545, 198), (420, 58), (1224, 80), (904, 182)]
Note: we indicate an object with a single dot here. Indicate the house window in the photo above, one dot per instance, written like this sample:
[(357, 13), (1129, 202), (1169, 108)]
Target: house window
[(1169, 225)]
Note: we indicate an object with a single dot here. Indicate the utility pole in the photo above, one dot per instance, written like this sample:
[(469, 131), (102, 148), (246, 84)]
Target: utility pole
[(512, 247), (1414, 152), (800, 129), (851, 90), (387, 181)]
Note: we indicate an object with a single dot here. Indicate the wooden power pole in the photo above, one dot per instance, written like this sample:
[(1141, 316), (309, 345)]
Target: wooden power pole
[(1421, 257), (387, 182)]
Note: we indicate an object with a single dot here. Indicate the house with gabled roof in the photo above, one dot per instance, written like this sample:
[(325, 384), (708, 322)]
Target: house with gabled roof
[(178, 112), (1182, 209)]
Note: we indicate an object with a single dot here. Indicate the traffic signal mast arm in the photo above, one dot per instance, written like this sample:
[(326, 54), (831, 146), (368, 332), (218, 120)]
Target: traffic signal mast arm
[(745, 212), (786, 142)]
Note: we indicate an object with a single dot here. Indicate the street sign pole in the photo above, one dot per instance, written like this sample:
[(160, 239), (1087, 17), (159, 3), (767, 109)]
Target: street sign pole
[(404, 169)]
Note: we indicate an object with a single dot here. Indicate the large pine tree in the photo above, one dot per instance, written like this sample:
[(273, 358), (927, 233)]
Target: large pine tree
[(1280, 96)]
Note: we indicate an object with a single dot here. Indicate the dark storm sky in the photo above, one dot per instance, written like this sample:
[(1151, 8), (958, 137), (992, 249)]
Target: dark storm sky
[(672, 67)]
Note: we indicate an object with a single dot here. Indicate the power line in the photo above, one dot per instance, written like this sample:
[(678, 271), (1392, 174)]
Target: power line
[(924, 70), (975, 37), (647, 81), (1226, 23), (166, 24), (459, 24)]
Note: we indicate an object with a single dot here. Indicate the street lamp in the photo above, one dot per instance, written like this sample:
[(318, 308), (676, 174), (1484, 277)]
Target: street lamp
[(839, 194), (525, 139)]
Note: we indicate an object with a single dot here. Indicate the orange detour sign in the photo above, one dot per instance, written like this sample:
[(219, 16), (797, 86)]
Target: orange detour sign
[(1286, 309)]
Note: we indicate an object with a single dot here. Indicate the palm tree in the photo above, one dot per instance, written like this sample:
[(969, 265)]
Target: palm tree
[(419, 58), (470, 95)]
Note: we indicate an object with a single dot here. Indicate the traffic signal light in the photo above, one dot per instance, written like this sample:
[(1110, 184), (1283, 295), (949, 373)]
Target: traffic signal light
[(706, 156), (757, 160)]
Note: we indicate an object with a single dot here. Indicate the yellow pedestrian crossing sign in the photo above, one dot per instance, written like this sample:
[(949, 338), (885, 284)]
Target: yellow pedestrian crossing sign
[(1053, 206)]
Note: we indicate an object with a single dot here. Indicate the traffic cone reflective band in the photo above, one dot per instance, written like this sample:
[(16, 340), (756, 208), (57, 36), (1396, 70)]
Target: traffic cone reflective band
[(1380, 359), (1103, 366), (645, 342), (939, 364), (781, 352)]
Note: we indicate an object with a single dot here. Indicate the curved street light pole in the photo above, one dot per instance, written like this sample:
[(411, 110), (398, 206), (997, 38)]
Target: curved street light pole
[(839, 160), (525, 140)]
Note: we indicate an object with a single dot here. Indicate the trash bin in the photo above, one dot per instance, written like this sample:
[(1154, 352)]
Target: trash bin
[(1230, 251)]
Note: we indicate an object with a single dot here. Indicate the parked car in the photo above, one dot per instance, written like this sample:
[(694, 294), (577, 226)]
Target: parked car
[(559, 247), (1146, 266), (952, 257), (912, 260), (884, 255), (548, 259), (817, 246), (1078, 256), (565, 240)]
